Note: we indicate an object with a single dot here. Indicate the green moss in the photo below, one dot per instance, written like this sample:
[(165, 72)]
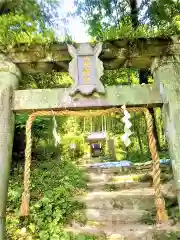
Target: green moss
[(167, 236), (85, 237), (149, 218), (111, 187)]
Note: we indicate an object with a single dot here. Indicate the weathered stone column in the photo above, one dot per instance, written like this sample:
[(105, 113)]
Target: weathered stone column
[(9, 78), (167, 75)]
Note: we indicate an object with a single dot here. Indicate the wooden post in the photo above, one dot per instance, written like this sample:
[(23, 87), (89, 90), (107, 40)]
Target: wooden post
[(9, 78), (112, 149), (167, 75)]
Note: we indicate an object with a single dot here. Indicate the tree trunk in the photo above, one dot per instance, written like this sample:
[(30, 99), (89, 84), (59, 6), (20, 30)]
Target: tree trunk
[(134, 13), (18, 153), (112, 149), (143, 78), (143, 73)]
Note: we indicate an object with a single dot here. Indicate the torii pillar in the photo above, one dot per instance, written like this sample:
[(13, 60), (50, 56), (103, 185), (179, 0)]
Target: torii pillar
[(166, 73), (9, 80)]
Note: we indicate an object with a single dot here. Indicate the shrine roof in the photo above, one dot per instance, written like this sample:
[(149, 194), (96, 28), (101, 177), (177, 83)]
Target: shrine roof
[(96, 136)]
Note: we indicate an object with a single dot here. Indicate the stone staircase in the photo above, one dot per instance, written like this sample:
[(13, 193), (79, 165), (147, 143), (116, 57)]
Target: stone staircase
[(117, 201)]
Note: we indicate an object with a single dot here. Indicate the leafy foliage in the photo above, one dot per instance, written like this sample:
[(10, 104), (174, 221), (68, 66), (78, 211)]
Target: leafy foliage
[(30, 22), (53, 184), (48, 80), (42, 11), (163, 12), (118, 19), (20, 29)]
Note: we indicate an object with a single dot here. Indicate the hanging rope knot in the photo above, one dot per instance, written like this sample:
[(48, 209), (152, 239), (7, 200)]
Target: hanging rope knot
[(159, 203), (24, 210), (162, 216)]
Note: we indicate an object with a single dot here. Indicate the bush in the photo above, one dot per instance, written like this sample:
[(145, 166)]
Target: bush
[(53, 184)]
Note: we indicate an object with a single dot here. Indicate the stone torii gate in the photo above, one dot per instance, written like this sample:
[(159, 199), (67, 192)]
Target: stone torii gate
[(161, 55)]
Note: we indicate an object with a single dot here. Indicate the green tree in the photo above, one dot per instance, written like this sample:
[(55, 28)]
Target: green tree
[(42, 11), (163, 13), (104, 15), (30, 21)]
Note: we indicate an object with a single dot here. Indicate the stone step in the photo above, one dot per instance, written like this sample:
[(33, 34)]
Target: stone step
[(115, 216), (130, 199), (142, 177), (94, 177), (112, 186), (125, 231)]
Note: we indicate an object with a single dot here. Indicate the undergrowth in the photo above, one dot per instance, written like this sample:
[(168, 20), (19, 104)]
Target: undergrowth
[(53, 184)]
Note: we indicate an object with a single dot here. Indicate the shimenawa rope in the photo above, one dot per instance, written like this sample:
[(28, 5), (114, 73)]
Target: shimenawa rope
[(159, 201)]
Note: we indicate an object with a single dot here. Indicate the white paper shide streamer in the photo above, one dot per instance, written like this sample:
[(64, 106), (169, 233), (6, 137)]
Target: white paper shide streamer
[(56, 136), (127, 125)]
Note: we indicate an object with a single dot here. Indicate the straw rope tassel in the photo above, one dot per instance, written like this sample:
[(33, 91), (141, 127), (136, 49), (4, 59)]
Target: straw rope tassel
[(156, 172), (159, 201)]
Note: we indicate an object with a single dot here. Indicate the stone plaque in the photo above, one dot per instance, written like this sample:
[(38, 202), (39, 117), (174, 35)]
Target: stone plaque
[(86, 69)]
